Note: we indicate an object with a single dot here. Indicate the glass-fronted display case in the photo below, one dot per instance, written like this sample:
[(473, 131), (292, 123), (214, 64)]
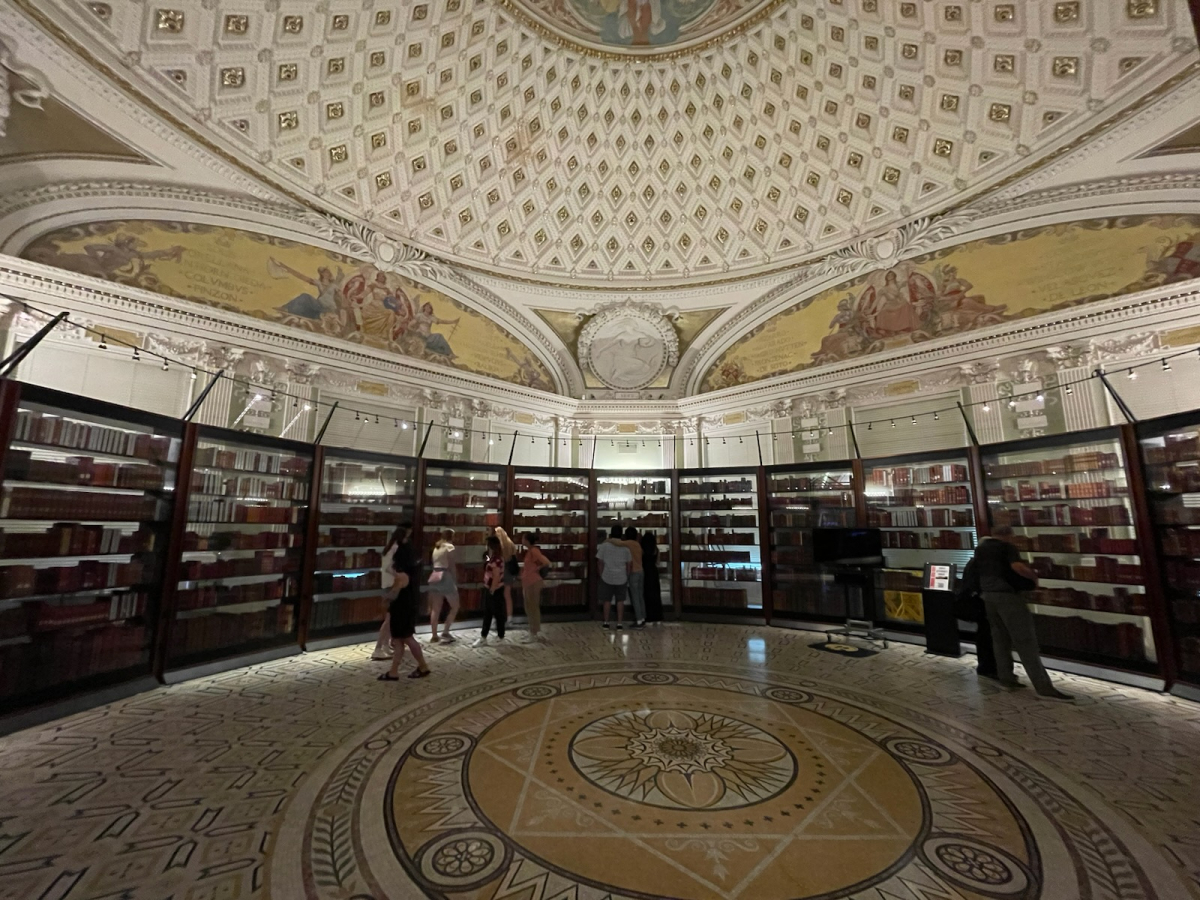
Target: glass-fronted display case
[(719, 543), (1171, 453), (470, 500), (555, 503), (802, 500), (642, 500), (239, 579), (363, 498), (1067, 500), (85, 511), (925, 511)]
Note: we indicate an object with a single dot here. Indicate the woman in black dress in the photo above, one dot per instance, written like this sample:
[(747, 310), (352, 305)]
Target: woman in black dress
[(651, 590), (401, 561)]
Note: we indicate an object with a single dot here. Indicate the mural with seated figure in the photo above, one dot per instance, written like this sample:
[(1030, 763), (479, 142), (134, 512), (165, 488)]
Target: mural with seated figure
[(296, 285), (965, 288)]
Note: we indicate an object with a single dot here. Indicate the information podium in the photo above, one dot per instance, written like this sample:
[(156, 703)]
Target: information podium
[(941, 622)]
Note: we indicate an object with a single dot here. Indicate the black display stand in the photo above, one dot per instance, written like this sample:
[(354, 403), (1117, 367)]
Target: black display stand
[(937, 599)]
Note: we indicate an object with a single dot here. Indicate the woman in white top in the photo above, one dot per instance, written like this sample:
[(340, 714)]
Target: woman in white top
[(443, 585)]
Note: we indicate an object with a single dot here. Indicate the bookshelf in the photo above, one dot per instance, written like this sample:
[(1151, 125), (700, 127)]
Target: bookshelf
[(557, 503), (1069, 503), (86, 497), (238, 589), (924, 508), (720, 558), (470, 499), (363, 498), (645, 501), (801, 500)]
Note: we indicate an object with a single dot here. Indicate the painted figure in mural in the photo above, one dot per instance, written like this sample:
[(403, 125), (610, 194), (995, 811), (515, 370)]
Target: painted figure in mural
[(422, 328), (638, 20), (1181, 264), (307, 305), (527, 372), (636, 23), (121, 258)]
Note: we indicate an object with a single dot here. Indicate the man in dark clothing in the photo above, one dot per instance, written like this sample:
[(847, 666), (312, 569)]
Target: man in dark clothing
[(1003, 576)]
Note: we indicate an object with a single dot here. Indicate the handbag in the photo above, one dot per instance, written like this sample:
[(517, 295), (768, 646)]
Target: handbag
[(544, 572)]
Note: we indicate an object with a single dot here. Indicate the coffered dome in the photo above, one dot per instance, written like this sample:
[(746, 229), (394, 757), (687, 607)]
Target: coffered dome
[(633, 142)]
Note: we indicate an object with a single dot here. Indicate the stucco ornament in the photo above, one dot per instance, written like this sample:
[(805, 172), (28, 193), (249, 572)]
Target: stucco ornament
[(629, 345), (31, 95), (361, 242)]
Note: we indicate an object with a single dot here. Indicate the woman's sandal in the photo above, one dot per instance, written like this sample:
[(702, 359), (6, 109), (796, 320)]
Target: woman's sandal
[(418, 673), (386, 676)]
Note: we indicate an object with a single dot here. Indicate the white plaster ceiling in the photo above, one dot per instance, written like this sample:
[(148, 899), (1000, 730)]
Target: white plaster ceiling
[(460, 127)]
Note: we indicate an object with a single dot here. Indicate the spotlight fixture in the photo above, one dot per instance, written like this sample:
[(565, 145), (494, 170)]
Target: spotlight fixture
[(1166, 366), (1132, 375), (1012, 403), (936, 417), (893, 423), (193, 374), (1040, 398), (376, 418), (987, 407), (103, 342), (136, 355), (404, 426), (1069, 390), (307, 407), (356, 416), (914, 420), (165, 366), (870, 426), (395, 423)]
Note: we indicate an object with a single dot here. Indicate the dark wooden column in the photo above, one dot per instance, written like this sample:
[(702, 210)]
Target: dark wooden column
[(978, 479), (676, 548), (593, 576), (764, 544), (10, 401), (859, 479), (311, 535), (173, 561), (1147, 544)]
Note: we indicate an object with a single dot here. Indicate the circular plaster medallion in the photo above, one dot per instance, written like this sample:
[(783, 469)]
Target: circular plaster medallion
[(649, 29), (628, 347)]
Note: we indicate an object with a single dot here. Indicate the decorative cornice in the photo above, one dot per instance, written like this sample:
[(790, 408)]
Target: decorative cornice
[(31, 96), (388, 255)]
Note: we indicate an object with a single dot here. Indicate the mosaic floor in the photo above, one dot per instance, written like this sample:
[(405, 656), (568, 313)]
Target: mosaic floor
[(686, 761)]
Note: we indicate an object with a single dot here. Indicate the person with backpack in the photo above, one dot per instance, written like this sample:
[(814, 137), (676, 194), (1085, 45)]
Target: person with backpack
[(1004, 580), (534, 570), (968, 606)]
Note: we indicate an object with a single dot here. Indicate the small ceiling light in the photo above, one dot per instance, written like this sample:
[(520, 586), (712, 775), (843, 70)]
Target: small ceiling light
[(1012, 404), (395, 423), (376, 418), (1166, 366), (1040, 398), (914, 420), (1070, 390), (166, 367), (829, 432), (356, 416), (893, 423), (1132, 375), (193, 374), (404, 426), (869, 426), (136, 355), (307, 407), (103, 342), (936, 417), (987, 407)]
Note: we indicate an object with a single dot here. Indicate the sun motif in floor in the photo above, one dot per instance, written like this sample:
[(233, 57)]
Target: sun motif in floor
[(682, 759)]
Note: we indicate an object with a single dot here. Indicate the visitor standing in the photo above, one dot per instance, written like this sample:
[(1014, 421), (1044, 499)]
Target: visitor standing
[(405, 569), (512, 568), (493, 592), (534, 570), (616, 562), (637, 578), (383, 642), (1003, 580), (652, 587), (443, 586)]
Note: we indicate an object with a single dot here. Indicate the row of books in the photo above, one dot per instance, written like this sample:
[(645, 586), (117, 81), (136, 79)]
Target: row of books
[(1061, 514), (263, 562), (1189, 655), (718, 538), (353, 537), (1186, 610), (251, 461), (363, 503), (929, 540), (708, 503), (642, 486), (562, 520), (66, 539), (86, 575), (463, 520), (719, 521), (488, 482), (1105, 570), (920, 518), (249, 486), (341, 611), (58, 657), (329, 583), (70, 434), (1048, 490), (537, 485), (916, 475), (714, 556), (202, 633), (340, 559), (358, 516), (1177, 515), (727, 486), (46, 616), (1097, 541), (810, 598), (843, 499), (1183, 575), (456, 501), (637, 504), (210, 595), (946, 496), (220, 541), (715, 598), (1164, 480), (1177, 448), (570, 594), (639, 522), (1180, 542), (354, 474), (20, 465), (527, 501), (807, 484), (1088, 461), (1075, 634), (723, 573), (831, 517), (224, 510), (67, 506), (1120, 601)]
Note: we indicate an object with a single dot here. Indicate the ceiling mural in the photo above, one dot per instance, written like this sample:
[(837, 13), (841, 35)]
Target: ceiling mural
[(964, 288), (296, 285), (644, 28), (468, 130)]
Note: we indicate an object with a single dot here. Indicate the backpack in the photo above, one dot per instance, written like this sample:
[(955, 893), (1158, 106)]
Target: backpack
[(968, 599)]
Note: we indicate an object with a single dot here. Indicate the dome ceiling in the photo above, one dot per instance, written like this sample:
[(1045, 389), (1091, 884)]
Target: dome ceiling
[(638, 142)]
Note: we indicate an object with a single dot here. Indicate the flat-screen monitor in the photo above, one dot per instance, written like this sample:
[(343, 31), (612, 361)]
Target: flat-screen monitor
[(847, 546)]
